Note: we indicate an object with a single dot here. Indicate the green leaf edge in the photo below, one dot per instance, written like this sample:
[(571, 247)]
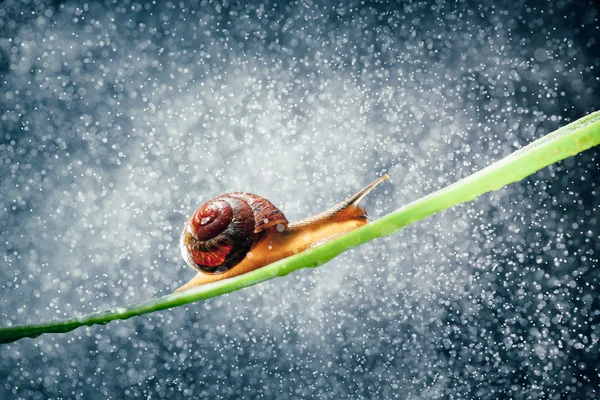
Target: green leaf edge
[(562, 143)]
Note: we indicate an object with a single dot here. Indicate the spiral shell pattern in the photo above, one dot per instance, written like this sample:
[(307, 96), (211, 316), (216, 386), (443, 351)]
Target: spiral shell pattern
[(223, 230)]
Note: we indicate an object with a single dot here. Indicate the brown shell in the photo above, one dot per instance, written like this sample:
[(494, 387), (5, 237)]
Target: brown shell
[(266, 214), (223, 230)]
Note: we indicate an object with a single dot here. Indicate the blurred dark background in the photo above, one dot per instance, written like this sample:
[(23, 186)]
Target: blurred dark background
[(118, 119)]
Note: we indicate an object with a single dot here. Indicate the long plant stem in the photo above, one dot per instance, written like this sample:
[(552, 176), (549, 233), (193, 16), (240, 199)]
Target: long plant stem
[(565, 142)]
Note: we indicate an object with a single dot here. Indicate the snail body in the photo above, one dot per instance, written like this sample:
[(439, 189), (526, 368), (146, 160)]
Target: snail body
[(239, 232)]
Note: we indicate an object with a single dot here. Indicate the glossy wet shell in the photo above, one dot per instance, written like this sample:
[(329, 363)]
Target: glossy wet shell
[(223, 230)]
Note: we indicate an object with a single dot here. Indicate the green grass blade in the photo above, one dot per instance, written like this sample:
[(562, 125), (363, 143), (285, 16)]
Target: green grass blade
[(565, 142)]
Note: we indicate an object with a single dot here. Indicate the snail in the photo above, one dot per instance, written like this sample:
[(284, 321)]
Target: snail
[(239, 232)]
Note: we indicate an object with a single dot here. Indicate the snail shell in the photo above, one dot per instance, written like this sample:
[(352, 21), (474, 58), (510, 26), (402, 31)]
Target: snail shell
[(223, 230)]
